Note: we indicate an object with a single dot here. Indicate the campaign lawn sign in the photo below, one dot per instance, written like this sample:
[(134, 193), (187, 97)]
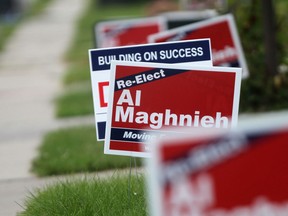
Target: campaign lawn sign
[(240, 172), (225, 42), (152, 100), (185, 17), (127, 31), (190, 52)]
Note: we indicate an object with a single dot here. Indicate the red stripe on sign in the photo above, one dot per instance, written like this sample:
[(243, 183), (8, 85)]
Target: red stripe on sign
[(126, 146), (101, 86)]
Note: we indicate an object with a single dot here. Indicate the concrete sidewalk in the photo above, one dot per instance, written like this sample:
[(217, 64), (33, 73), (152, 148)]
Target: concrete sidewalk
[(31, 68)]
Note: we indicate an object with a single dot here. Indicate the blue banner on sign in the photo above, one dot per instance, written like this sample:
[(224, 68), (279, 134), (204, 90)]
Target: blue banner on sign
[(145, 77), (101, 130), (129, 135), (186, 51)]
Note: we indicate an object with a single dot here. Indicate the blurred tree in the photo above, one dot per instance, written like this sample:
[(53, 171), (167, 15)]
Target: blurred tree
[(269, 26), (259, 31), (263, 31)]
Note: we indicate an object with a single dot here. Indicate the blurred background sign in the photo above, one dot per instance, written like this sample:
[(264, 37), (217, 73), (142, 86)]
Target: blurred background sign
[(225, 42), (127, 31), (243, 172)]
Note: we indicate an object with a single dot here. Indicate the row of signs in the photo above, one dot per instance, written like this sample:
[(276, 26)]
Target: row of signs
[(148, 91), (226, 46), (190, 52), (152, 97)]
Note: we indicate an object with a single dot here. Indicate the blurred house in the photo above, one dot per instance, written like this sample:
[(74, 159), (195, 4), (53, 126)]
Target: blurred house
[(11, 9), (203, 4)]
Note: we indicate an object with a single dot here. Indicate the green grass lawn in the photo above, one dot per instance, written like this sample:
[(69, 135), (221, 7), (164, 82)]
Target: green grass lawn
[(77, 73), (90, 197), (75, 101), (6, 30), (75, 150)]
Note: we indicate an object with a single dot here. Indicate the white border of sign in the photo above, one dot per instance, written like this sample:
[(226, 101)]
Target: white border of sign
[(189, 27), (114, 64), (126, 22)]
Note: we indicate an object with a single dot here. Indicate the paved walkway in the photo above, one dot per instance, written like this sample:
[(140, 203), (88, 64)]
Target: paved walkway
[(30, 71)]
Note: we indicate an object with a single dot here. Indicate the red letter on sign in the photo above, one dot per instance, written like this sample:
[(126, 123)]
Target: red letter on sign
[(101, 86)]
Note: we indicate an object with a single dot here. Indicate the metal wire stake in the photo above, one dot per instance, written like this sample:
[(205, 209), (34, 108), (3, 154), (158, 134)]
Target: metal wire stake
[(129, 182)]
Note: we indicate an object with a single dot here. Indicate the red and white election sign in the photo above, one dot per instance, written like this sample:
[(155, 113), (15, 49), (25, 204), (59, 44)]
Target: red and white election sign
[(225, 43), (152, 100), (127, 32), (187, 52), (230, 174)]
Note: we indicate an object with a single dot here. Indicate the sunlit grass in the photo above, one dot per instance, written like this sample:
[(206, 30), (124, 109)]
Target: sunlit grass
[(75, 150), (115, 196)]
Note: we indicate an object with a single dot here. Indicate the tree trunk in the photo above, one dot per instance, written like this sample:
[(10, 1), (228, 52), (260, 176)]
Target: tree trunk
[(268, 17)]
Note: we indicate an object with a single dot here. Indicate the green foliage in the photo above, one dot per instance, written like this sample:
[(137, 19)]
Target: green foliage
[(75, 150), (89, 197), (261, 92)]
